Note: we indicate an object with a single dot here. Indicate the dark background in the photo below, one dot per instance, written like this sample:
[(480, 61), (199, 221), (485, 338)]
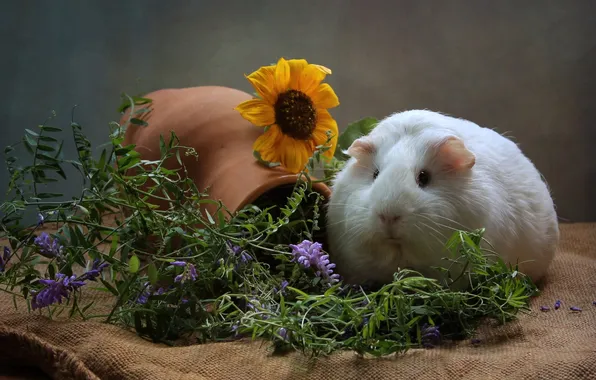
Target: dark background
[(527, 68)]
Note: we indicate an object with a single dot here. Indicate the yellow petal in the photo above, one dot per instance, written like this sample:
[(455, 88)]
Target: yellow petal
[(310, 79), (325, 122), (323, 69), (282, 76), (296, 68), (324, 97), (263, 80), (294, 153), (267, 144), (257, 111)]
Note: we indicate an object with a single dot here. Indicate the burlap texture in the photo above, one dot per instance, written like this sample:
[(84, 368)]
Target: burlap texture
[(540, 345)]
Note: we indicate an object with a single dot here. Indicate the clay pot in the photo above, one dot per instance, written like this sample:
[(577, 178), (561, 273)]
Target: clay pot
[(204, 118)]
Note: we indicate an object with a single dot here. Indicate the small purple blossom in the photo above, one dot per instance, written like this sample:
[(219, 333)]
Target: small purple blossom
[(47, 246), (4, 259), (282, 289), (189, 273), (544, 308), (95, 270), (40, 219), (251, 304), (575, 308), (430, 335), (145, 294), (148, 292), (283, 333), (178, 263), (55, 290), (557, 304), (238, 251), (309, 255)]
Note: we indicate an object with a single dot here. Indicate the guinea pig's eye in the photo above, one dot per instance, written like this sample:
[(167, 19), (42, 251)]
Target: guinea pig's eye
[(423, 178), (375, 173)]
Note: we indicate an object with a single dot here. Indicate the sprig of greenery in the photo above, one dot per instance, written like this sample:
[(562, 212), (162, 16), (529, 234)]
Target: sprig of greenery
[(248, 282)]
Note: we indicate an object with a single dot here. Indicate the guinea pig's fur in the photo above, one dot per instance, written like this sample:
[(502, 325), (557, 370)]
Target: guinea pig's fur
[(384, 214)]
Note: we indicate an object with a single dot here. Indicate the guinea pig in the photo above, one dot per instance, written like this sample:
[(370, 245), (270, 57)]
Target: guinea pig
[(420, 175)]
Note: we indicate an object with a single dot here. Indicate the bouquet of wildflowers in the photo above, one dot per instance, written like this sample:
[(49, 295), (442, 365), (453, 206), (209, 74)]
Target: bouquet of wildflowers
[(264, 273)]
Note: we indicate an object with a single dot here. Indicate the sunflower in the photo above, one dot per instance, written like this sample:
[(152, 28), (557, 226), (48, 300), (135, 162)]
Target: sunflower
[(293, 106)]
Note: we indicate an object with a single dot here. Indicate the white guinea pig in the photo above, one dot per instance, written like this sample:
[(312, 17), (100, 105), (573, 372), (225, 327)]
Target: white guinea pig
[(420, 175)]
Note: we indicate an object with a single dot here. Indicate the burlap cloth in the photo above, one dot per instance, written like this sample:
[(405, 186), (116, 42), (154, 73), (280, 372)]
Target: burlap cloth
[(540, 345)]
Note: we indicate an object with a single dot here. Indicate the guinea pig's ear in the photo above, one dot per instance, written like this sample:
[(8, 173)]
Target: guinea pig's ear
[(453, 155), (361, 148)]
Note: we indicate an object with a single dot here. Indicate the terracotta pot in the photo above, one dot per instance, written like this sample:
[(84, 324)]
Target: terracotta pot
[(204, 118)]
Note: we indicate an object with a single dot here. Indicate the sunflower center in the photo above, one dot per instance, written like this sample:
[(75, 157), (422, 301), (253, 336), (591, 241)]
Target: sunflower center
[(295, 114)]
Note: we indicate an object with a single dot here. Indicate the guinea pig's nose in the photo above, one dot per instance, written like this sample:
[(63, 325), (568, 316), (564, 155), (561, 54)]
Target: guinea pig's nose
[(388, 218)]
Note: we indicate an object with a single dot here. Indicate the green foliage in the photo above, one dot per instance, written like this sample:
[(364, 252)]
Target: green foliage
[(246, 283), (354, 131)]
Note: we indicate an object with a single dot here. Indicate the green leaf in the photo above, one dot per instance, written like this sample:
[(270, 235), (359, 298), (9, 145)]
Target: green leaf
[(34, 134), (134, 264), (45, 148), (109, 287), (152, 273), (354, 131), (137, 100), (48, 195), (140, 122), (209, 217), (162, 146), (114, 246), (30, 141), (50, 129)]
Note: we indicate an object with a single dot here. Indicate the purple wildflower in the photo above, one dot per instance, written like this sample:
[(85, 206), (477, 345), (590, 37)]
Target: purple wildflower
[(544, 308), (557, 304), (40, 219), (282, 289), (575, 308), (95, 270), (309, 255), (251, 304), (55, 290), (430, 335), (47, 246), (178, 263), (148, 292), (234, 329), (4, 259), (189, 273), (238, 251), (364, 322), (145, 294), (283, 333)]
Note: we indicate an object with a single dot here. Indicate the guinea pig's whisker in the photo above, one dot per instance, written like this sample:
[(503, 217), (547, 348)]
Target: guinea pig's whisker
[(455, 229), (430, 216), (432, 228), (440, 238), (426, 242), (352, 231), (350, 205), (357, 222)]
